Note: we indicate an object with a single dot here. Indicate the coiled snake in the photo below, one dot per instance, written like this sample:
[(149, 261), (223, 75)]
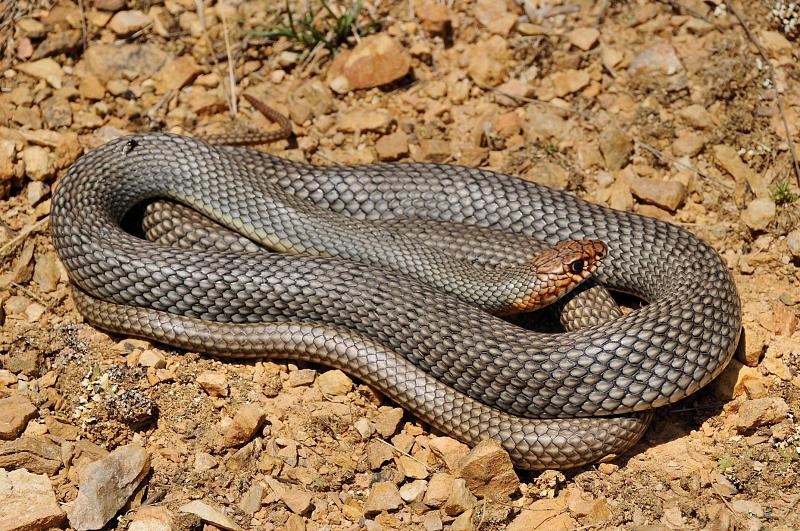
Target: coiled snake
[(552, 400)]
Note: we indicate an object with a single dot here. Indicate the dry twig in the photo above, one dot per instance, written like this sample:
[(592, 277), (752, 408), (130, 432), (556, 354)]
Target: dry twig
[(231, 74)]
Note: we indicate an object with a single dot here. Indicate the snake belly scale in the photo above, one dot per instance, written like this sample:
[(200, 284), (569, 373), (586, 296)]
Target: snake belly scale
[(553, 400)]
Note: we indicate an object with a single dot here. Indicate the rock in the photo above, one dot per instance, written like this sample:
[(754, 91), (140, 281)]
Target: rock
[(460, 499), (688, 144), (584, 505), (546, 514), (495, 16), (109, 5), (27, 502), (760, 412), (545, 125), (377, 120), (448, 450), (310, 100), (776, 44), (507, 124), (15, 413), (778, 368), (125, 23), (106, 485), (668, 195), (583, 38), (488, 61), (433, 16), (57, 113), (463, 522), (616, 148), (434, 150), (127, 61), (57, 43), (210, 514), (562, 83), (36, 191), (364, 428), (697, 116), (377, 60), (383, 496), (251, 501), (736, 379), (152, 358), (46, 272), (214, 383), (37, 454), (759, 214), (432, 522), (246, 423), (295, 523), (301, 377), (748, 508), (392, 147), (412, 468), (37, 163), (755, 344), (152, 518), (659, 60), (549, 174), (334, 383), (378, 453), (512, 92), (414, 491), (488, 470), (439, 488), (298, 501), (793, 242), (387, 420), (727, 157), (46, 69), (177, 74)]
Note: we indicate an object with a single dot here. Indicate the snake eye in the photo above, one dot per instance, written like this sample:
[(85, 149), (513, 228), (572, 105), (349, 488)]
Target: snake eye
[(577, 266)]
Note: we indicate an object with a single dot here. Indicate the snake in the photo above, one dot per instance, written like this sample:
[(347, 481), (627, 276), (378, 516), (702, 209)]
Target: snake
[(551, 400)]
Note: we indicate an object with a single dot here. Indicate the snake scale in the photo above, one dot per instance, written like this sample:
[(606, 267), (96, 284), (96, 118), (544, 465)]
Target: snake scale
[(552, 400)]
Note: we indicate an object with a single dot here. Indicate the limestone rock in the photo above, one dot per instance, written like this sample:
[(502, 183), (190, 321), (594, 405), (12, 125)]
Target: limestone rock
[(15, 413), (125, 23), (246, 423), (377, 60), (488, 61), (210, 514), (27, 502), (46, 69), (383, 496), (616, 148), (177, 74), (387, 420), (37, 454), (759, 214), (460, 499), (761, 412), (488, 470), (668, 195), (392, 147), (334, 383), (213, 382)]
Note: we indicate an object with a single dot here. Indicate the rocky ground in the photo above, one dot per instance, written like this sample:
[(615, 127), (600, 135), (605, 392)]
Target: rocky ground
[(669, 109)]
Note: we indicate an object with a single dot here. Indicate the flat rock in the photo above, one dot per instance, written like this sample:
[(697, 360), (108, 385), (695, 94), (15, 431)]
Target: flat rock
[(210, 514), (668, 195), (177, 74), (378, 453), (377, 60), (688, 144), (106, 485), (434, 150), (47, 272), (433, 16), (310, 100), (488, 61), (125, 23), (793, 242), (213, 382), (549, 174), (301, 377), (495, 16), (383, 496), (38, 166), (760, 412), (583, 38), (759, 213), (728, 158), (15, 413), (660, 59), (460, 499), (376, 120), (27, 502), (412, 468), (126, 61), (152, 518), (387, 420), (37, 454), (414, 491), (488, 470), (546, 514), (616, 148), (448, 450), (46, 69), (392, 147), (697, 116), (439, 488), (334, 383), (246, 423)]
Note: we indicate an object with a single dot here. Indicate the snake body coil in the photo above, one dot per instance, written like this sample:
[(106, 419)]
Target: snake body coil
[(554, 400)]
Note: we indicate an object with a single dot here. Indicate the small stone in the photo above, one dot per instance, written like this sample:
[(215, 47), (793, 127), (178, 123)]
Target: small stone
[(378, 453), (127, 61), (210, 514), (36, 191), (432, 522), (351, 509), (412, 468), (495, 16), (439, 488), (697, 116), (759, 214), (364, 428), (15, 413), (463, 522), (151, 518), (392, 147), (295, 523), (728, 158), (607, 468), (549, 174), (125, 23), (488, 61), (37, 163), (301, 377), (177, 74), (152, 358), (214, 383), (661, 59), (544, 514), (507, 124), (91, 88), (377, 60), (387, 420), (35, 453), (583, 38), (46, 272), (334, 383), (616, 148), (755, 344), (106, 485), (377, 120), (27, 502), (433, 16), (460, 499), (488, 470), (748, 507), (434, 150), (57, 113), (778, 368), (776, 44), (46, 69), (383, 496), (63, 430), (688, 144), (668, 195), (793, 242), (760, 412), (512, 92), (246, 423), (724, 485), (568, 81), (298, 501), (310, 100), (414, 491)]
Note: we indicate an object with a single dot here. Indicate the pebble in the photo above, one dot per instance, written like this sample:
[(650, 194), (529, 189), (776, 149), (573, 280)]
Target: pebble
[(495, 16), (27, 502), (688, 144), (759, 214), (432, 522), (152, 518), (46, 272), (760, 412), (544, 514), (463, 522), (106, 485), (728, 158), (668, 195), (311, 100), (213, 382), (414, 491), (125, 23), (434, 150), (584, 505), (126, 61), (15, 413), (549, 174), (433, 16), (37, 163), (660, 59), (488, 470), (383, 496), (724, 485), (297, 500), (697, 116), (210, 514), (392, 147), (488, 61), (616, 148), (565, 82), (460, 499), (412, 468), (378, 453), (37, 454), (377, 120), (583, 38), (364, 428), (793, 242), (301, 377), (439, 488), (246, 423), (46, 69), (377, 60), (36, 191), (152, 358), (387, 420), (334, 383), (747, 507), (755, 344), (63, 430), (778, 368), (177, 74), (512, 91)]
